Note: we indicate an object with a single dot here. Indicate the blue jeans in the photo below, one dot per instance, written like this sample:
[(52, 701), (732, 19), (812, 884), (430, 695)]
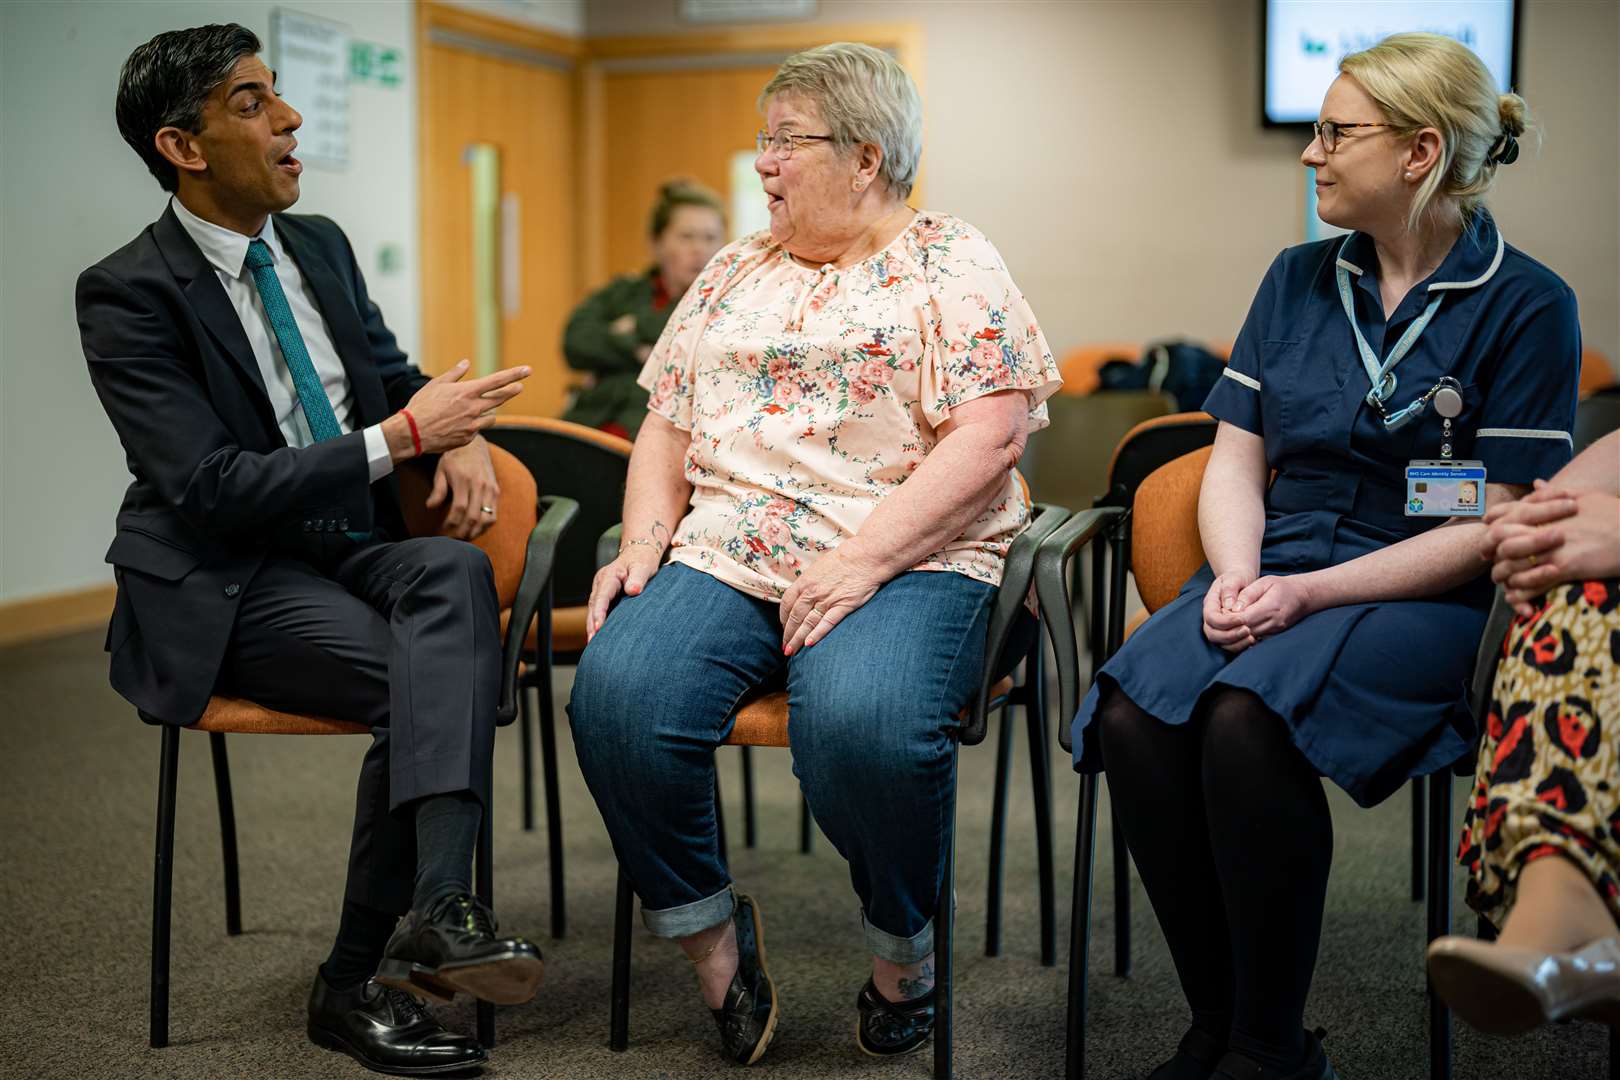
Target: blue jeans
[(874, 708)]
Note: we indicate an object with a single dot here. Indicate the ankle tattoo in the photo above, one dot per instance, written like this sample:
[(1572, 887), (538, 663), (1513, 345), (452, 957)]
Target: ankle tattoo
[(918, 985)]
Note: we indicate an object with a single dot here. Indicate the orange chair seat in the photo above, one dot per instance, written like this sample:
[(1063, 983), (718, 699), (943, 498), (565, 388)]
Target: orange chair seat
[(567, 630), (236, 716), (764, 721)]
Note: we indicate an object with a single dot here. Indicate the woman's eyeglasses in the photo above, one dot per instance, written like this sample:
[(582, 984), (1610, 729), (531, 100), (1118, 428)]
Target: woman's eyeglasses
[(783, 143), (1330, 130)]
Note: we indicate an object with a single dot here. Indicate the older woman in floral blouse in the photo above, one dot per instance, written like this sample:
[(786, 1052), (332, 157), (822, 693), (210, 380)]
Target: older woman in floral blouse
[(827, 463)]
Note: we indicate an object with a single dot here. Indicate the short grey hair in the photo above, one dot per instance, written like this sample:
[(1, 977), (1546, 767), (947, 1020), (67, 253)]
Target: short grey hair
[(866, 97)]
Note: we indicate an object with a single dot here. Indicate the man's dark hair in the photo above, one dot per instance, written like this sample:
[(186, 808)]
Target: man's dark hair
[(166, 82)]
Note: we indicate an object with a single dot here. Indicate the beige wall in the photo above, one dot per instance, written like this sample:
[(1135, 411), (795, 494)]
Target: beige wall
[(1113, 152)]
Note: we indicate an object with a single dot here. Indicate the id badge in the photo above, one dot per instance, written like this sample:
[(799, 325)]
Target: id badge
[(1445, 489)]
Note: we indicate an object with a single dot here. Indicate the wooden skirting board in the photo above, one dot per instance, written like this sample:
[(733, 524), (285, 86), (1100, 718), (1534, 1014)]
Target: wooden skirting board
[(36, 617)]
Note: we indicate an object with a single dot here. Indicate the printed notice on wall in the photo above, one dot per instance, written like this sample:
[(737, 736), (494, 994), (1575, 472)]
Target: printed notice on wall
[(311, 59)]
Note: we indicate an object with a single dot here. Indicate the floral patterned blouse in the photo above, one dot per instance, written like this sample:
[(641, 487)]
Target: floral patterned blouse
[(812, 394)]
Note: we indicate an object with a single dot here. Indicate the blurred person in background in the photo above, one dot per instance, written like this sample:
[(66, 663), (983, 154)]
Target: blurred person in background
[(612, 333)]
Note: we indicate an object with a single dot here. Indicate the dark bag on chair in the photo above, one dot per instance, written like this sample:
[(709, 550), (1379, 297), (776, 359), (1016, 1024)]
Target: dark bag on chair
[(1184, 371)]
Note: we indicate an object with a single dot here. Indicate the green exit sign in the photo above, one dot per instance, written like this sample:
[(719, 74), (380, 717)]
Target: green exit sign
[(379, 64)]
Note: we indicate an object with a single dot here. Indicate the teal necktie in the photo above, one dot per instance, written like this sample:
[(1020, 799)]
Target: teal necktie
[(323, 422)]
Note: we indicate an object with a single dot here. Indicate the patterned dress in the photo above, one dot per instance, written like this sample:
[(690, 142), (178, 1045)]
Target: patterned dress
[(811, 394), (1549, 766)]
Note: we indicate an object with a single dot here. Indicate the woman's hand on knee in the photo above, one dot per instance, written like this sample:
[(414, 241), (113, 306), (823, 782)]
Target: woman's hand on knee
[(834, 586), (628, 574), (1224, 624)]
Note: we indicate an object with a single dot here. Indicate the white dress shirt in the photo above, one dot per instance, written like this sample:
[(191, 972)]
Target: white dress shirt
[(226, 252)]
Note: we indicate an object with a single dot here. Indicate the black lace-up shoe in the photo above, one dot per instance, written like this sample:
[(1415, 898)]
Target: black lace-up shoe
[(453, 947), (886, 1029), (748, 1018), (387, 1031)]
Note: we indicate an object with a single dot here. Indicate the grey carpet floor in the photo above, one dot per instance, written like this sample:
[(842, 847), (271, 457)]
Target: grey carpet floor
[(78, 805)]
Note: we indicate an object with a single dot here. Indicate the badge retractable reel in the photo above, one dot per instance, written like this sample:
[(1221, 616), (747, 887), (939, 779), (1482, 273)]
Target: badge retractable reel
[(1443, 487)]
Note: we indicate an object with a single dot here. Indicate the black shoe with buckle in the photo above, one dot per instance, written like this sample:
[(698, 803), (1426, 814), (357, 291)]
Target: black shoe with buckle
[(387, 1031), (887, 1028), (1235, 1066), (1197, 1056), (453, 947), (747, 1020)]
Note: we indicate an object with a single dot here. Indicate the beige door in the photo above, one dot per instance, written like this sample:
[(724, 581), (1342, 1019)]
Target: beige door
[(486, 84)]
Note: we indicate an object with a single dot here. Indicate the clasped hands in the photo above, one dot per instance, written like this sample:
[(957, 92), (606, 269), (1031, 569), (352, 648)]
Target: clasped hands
[(1550, 536), (1240, 609)]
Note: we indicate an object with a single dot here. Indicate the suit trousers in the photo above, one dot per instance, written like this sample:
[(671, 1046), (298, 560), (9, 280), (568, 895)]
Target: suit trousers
[(403, 637)]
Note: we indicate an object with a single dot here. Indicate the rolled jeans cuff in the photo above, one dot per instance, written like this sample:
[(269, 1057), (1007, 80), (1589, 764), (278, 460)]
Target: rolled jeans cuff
[(689, 919), (898, 950)]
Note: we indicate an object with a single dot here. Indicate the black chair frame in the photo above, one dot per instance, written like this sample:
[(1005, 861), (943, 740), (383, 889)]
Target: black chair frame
[(555, 517)]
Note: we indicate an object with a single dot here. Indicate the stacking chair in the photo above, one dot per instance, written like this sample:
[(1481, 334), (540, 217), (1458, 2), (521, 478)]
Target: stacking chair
[(1596, 372), (521, 546), (588, 467), (764, 721), (1081, 365), (1595, 417)]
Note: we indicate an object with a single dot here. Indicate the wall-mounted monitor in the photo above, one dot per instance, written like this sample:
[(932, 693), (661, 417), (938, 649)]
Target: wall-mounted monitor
[(1303, 41)]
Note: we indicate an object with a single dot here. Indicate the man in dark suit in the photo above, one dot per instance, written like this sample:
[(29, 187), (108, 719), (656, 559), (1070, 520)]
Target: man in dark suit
[(261, 552)]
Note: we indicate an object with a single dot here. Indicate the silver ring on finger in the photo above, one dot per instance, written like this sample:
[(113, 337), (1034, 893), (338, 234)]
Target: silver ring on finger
[(487, 509)]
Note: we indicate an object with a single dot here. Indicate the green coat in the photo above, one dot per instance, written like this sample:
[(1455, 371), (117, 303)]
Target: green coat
[(589, 345)]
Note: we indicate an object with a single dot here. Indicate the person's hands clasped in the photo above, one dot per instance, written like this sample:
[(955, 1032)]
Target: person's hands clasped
[(1223, 619), (466, 478), (628, 574), (450, 410), (835, 585), (1273, 603), (1555, 536)]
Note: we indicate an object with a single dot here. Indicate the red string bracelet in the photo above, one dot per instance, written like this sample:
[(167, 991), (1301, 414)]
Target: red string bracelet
[(416, 436)]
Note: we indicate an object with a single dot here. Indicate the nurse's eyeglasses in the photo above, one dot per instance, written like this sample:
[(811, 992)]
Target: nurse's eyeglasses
[(783, 143), (1329, 130)]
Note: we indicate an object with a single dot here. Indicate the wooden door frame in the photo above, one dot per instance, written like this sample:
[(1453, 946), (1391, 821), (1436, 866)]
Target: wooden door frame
[(904, 39), (432, 16)]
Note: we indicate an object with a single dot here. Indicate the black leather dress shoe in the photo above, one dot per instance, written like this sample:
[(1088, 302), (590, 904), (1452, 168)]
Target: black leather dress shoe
[(748, 1018), (887, 1028), (387, 1031), (453, 947)]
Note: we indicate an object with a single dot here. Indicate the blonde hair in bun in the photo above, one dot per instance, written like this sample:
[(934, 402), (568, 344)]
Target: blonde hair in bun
[(1428, 80)]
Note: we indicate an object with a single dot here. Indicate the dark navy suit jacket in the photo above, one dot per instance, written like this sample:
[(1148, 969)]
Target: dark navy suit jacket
[(215, 486)]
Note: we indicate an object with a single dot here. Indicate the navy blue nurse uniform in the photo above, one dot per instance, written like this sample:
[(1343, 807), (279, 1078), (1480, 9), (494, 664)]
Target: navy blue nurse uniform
[(1373, 693)]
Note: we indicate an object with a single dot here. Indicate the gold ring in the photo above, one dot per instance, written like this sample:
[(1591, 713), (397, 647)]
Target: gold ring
[(1532, 560)]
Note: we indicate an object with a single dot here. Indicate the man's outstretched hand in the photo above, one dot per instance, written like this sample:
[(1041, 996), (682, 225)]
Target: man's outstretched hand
[(450, 410)]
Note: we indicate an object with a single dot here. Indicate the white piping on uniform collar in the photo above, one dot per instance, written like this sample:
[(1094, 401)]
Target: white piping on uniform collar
[(1490, 271)]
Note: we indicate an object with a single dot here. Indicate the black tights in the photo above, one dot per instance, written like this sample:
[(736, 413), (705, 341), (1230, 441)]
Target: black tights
[(1230, 830)]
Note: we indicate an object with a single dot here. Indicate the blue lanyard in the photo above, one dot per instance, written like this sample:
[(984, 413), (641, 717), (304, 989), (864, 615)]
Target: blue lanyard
[(1382, 376)]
